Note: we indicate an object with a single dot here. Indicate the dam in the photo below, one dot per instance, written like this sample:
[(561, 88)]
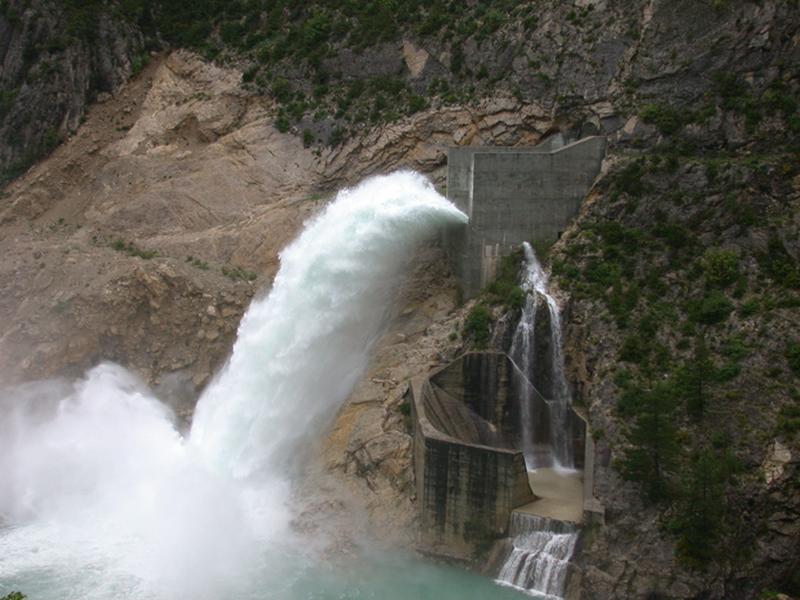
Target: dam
[(514, 195), (502, 458)]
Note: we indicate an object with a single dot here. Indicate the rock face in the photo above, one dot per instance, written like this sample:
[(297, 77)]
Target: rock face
[(618, 343), (50, 70), (146, 226)]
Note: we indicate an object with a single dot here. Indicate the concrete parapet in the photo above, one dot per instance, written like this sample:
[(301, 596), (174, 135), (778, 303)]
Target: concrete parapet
[(512, 195), (470, 475)]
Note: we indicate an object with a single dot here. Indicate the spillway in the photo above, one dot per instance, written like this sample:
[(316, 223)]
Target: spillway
[(102, 498)]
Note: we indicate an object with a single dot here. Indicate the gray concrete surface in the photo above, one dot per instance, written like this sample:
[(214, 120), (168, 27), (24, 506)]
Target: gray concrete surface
[(513, 195)]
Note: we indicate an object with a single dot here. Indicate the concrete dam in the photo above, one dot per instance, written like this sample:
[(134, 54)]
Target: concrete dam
[(514, 195), (495, 458)]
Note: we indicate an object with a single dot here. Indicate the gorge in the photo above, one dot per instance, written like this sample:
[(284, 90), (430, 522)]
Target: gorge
[(176, 349)]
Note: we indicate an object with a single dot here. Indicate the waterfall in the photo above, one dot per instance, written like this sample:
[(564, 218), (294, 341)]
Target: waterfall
[(101, 497), (560, 454), (542, 547), (540, 556)]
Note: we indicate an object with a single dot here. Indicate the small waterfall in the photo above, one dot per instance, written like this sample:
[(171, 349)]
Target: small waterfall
[(523, 349), (539, 559), (542, 547)]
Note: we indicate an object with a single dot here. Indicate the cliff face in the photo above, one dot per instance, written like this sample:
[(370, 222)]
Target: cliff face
[(149, 224), (55, 60), (655, 323)]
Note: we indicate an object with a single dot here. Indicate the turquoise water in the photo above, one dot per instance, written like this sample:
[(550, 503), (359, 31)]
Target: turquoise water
[(385, 577), (397, 578)]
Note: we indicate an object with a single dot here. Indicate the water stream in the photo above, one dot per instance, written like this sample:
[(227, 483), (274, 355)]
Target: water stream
[(102, 498), (539, 559), (541, 547), (559, 453)]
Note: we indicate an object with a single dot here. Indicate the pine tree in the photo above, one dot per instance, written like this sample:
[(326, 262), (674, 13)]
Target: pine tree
[(694, 378), (653, 438), (700, 508)]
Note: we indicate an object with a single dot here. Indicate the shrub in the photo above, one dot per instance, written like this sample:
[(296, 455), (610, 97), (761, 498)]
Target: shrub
[(629, 179), (478, 324), (793, 357), (504, 289), (337, 136), (667, 119), (789, 419), (712, 309), (634, 349), (238, 274), (132, 249), (281, 90), (779, 265), (721, 267), (282, 124)]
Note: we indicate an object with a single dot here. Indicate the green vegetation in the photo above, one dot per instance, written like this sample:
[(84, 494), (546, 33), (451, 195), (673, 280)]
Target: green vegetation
[(14, 596), (197, 263), (505, 289), (712, 309), (700, 510), (478, 325), (721, 267), (277, 38), (238, 273), (653, 439), (777, 264), (662, 266), (694, 378), (789, 419), (132, 249), (793, 357), (7, 98), (667, 119)]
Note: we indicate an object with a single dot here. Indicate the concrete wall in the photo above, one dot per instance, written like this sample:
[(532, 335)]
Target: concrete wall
[(467, 424), (468, 477), (513, 195)]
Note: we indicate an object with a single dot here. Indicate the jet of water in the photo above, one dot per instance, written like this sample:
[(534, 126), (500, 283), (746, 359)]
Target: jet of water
[(100, 497)]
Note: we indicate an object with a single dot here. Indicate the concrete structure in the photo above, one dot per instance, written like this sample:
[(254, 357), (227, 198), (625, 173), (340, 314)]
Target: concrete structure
[(513, 195), (470, 475)]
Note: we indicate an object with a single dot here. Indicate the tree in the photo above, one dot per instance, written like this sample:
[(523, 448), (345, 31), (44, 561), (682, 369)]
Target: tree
[(693, 379), (653, 438), (701, 508)]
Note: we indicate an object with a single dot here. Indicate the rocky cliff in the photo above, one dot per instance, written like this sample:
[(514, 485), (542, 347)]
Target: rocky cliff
[(55, 59), (142, 237)]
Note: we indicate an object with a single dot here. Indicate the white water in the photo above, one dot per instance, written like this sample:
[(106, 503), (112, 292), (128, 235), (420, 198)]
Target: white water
[(540, 555), (542, 547), (102, 498), (535, 284)]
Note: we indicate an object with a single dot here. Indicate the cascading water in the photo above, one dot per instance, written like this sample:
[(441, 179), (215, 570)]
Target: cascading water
[(542, 547), (101, 497), (540, 555), (534, 283)]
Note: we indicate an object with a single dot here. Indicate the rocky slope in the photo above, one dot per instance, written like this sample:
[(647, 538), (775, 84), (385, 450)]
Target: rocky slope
[(149, 224), (55, 60)]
